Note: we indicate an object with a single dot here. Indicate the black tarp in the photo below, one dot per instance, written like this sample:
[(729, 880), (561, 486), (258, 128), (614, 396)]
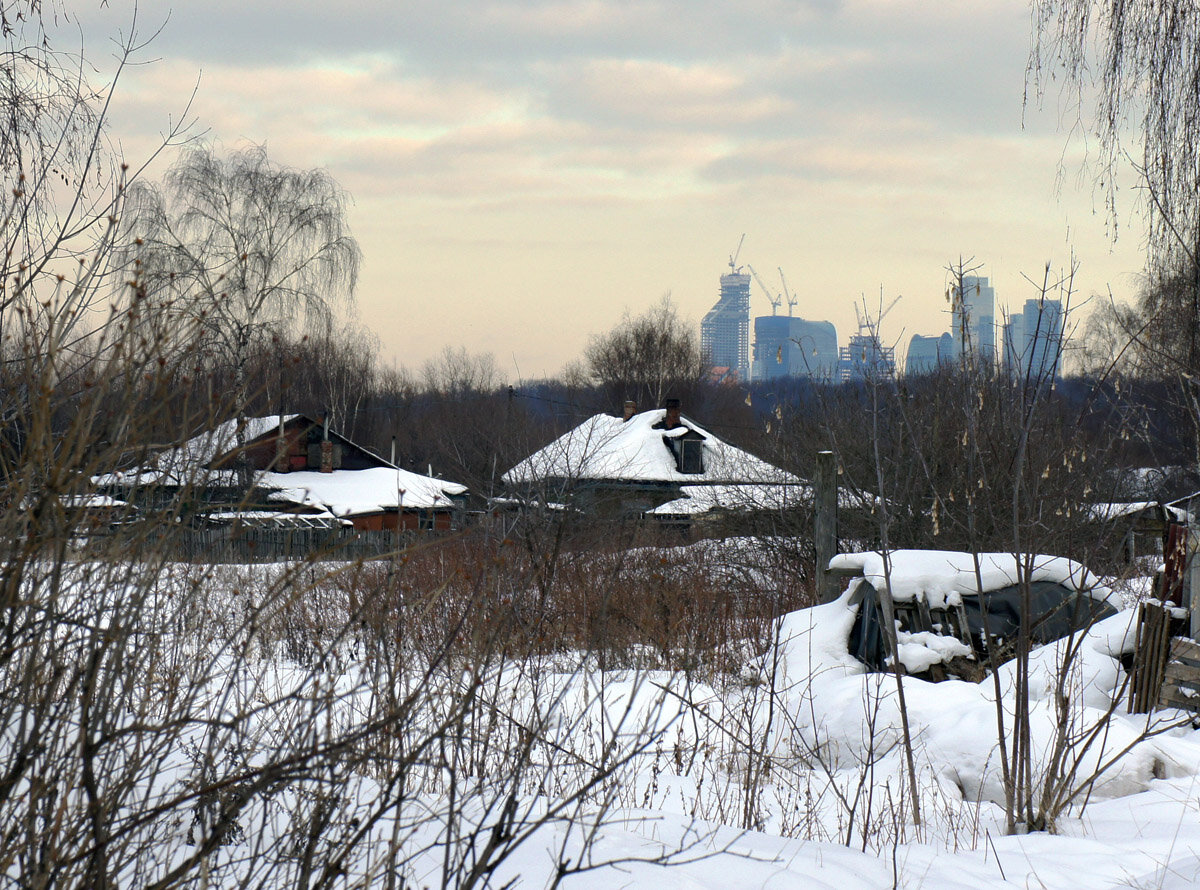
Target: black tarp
[(1057, 611)]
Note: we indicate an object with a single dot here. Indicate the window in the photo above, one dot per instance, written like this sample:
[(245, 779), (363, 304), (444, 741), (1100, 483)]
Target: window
[(691, 456)]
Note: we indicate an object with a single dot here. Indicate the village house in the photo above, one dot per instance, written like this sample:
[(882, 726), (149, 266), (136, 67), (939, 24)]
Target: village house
[(292, 471), (657, 464)]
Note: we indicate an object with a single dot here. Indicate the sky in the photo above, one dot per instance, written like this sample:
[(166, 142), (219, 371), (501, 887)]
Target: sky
[(524, 172)]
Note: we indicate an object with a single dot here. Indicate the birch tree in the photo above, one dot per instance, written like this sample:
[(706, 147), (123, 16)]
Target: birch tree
[(244, 247)]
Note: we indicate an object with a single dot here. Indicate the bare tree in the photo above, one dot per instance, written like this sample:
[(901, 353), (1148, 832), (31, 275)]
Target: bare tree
[(647, 357), (456, 372), (164, 725), (245, 247), (1142, 58)]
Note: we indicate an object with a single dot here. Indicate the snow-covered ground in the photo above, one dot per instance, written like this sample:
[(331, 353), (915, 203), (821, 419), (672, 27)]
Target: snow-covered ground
[(788, 773)]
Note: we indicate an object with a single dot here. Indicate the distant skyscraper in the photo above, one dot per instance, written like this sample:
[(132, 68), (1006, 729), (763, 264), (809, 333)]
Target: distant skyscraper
[(1033, 340), (725, 331), (927, 354), (974, 319), (794, 347), (866, 358)]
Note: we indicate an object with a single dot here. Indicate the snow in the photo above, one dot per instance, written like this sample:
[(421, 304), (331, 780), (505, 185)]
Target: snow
[(943, 576), (1109, 512), (700, 499), (351, 492), (921, 651), (609, 448), (189, 462), (829, 812)]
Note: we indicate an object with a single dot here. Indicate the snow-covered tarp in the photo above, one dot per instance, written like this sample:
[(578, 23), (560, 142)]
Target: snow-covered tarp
[(609, 448), (945, 576), (1062, 597)]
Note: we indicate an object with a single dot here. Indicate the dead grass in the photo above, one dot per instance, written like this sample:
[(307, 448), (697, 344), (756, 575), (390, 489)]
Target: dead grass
[(705, 607)]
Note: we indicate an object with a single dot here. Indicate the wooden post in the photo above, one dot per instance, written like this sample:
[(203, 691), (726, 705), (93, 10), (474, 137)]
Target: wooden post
[(825, 523)]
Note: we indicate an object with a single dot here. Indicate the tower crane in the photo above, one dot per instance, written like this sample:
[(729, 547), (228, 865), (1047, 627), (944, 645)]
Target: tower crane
[(734, 268), (871, 325), (775, 300), (791, 300)]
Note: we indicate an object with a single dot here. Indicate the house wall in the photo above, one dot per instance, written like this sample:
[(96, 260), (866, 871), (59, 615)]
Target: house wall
[(408, 520), (301, 434), (261, 454), (622, 501)]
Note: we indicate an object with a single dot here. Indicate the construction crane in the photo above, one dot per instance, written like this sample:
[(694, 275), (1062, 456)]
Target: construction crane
[(871, 325), (775, 300), (791, 300), (734, 268)]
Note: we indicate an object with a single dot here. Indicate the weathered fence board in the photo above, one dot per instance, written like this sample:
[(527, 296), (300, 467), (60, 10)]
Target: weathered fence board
[(1149, 657)]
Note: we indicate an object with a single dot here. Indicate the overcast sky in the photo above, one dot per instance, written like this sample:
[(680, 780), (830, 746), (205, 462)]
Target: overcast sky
[(523, 172)]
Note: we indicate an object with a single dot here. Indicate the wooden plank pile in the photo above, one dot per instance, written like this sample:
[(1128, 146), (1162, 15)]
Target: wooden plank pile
[(1181, 677)]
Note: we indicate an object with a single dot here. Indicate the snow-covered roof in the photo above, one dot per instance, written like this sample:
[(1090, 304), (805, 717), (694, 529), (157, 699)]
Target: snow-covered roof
[(1113, 511), (699, 499), (609, 448), (350, 492), (189, 463), (90, 501), (341, 492), (945, 576), (276, 519), (518, 503)]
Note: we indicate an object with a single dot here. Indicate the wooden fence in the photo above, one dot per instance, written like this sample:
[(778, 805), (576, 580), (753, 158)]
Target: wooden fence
[(1149, 656), (1166, 668), (248, 545)]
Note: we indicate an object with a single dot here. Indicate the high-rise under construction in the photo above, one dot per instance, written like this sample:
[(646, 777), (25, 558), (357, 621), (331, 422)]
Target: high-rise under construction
[(725, 331)]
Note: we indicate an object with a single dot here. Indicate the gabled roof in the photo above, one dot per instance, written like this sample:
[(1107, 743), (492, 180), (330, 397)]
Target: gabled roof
[(606, 448), (193, 461)]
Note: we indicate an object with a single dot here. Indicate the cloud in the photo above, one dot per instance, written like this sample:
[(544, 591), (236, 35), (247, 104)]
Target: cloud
[(483, 138)]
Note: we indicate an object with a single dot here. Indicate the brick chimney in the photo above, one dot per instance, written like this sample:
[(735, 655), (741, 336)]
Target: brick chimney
[(672, 419), (326, 447), (630, 409), (282, 465)]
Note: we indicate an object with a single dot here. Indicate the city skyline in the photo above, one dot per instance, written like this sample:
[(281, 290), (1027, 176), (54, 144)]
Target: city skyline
[(517, 163)]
